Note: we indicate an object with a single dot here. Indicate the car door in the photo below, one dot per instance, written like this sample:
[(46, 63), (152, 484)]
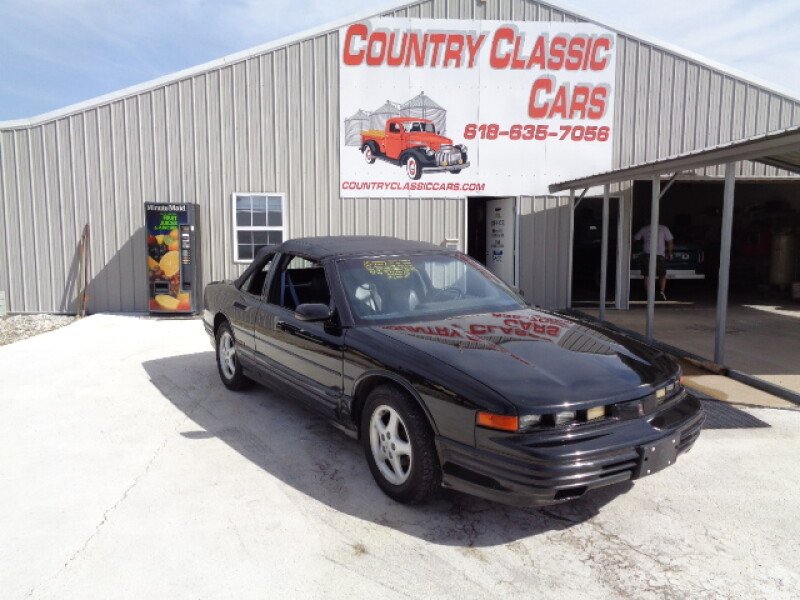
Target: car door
[(394, 140), (245, 308), (306, 355)]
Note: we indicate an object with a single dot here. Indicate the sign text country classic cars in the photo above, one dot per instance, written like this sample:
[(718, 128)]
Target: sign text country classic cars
[(448, 108)]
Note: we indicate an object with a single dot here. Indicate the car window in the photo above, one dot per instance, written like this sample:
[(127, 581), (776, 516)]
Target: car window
[(419, 127), (255, 283), (394, 128), (393, 289), (299, 281)]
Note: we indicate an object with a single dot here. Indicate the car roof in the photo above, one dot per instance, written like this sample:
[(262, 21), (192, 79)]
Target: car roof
[(411, 119), (349, 245), (319, 248)]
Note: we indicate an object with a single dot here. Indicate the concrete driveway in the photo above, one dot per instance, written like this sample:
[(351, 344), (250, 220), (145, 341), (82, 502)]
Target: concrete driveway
[(128, 471)]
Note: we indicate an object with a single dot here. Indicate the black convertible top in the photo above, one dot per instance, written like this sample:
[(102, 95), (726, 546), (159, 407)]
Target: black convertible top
[(319, 248), (349, 245)]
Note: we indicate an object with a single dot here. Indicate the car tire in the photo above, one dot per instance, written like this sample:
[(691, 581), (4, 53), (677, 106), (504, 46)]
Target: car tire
[(401, 456), (369, 154), (230, 369), (455, 171), (413, 168)]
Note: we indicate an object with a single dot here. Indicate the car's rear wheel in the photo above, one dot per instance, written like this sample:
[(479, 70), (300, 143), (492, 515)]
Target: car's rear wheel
[(229, 367), (399, 446), (369, 155)]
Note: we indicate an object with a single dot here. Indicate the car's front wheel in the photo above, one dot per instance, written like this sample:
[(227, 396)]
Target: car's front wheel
[(229, 367), (413, 169), (399, 446)]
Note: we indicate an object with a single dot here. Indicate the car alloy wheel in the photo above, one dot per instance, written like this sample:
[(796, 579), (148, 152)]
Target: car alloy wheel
[(399, 445), (390, 444), (227, 355), (230, 367)]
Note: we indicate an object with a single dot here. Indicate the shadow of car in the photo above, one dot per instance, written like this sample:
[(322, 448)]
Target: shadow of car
[(292, 443)]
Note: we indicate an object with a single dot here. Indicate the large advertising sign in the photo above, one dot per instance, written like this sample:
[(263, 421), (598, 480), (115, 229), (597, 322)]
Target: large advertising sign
[(451, 108)]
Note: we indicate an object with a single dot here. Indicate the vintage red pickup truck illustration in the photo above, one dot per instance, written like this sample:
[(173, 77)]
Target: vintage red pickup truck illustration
[(413, 143)]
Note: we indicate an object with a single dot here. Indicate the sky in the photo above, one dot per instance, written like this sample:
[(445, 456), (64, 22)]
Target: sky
[(58, 52)]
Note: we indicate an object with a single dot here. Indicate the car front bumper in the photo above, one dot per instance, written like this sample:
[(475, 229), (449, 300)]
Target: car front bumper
[(435, 168), (538, 470)]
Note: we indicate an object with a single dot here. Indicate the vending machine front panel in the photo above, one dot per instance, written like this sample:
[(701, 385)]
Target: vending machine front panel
[(172, 265)]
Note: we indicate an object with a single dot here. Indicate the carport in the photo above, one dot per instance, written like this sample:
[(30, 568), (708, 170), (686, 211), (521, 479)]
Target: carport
[(779, 149)]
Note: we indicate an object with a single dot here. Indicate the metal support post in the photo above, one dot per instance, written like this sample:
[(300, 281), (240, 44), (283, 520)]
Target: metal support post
[(651, 271), (724, 262), (604, 254), (571, 246)]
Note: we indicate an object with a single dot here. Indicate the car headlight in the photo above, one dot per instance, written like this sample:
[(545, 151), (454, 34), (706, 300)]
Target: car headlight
[(529, 421), (564, 417), (526, 423)]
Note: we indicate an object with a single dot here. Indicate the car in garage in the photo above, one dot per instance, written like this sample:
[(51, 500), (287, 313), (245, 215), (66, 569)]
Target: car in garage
[(445, 375), (686, 262)]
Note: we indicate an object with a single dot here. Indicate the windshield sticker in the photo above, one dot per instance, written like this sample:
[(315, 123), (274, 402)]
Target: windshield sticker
[(391, 269)]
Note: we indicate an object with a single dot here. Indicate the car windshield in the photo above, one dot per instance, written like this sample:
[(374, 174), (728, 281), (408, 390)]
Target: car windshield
[(420, 127), (421, 286)]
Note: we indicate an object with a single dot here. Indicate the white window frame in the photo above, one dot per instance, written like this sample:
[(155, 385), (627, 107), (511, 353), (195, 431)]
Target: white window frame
[(283, 228)]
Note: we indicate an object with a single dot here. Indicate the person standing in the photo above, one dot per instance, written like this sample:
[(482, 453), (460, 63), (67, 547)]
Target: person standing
[(665, 244)]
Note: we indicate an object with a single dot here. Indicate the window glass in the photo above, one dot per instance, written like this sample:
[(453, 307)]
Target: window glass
[(300, 281), (259, 211), (244, 211), (396, 289), (420, 127), (275, 218), (259, 222), (255, 284)]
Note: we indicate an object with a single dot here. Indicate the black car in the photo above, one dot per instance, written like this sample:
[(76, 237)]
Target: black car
[(444, 373)]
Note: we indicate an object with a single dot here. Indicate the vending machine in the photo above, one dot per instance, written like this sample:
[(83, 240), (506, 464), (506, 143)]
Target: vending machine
[(173, 265)]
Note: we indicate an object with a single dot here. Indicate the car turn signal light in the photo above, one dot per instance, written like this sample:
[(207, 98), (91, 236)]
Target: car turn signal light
[(499, 422)]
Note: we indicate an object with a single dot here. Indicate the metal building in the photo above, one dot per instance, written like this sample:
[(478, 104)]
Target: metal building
[(267, 121)]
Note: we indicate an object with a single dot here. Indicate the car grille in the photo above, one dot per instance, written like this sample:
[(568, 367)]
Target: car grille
[(448, 155)]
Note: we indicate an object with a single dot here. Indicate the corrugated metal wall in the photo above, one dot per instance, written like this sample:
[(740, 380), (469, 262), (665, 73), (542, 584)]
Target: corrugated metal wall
[(270, 123), (543, 249)]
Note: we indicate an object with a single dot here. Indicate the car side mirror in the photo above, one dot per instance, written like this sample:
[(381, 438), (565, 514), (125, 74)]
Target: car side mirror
[(313, 312)]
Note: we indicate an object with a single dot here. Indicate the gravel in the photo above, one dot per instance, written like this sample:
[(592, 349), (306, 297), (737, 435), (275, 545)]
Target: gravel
[(19, 327)]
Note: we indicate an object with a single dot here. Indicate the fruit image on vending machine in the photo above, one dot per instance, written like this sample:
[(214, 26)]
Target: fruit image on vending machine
[(173, 269)]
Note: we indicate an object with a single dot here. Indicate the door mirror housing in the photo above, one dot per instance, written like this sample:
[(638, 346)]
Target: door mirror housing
[(313, 312)]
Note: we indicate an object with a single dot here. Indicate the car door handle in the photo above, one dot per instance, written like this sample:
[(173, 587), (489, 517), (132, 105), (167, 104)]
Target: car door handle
[(293, 330), (240, 306), (284, 326)]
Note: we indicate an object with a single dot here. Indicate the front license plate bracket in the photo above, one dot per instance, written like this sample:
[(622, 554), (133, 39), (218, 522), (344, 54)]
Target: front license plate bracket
[(658, 455)]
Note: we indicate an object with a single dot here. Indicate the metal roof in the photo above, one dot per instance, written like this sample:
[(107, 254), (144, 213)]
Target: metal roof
[(368, 14), (779, 149)]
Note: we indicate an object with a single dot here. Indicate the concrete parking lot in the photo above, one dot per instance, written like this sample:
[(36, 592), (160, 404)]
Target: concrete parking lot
[(128, 471)]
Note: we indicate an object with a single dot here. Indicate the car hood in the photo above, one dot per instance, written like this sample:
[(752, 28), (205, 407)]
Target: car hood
[(539, 360), (430, 139)]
